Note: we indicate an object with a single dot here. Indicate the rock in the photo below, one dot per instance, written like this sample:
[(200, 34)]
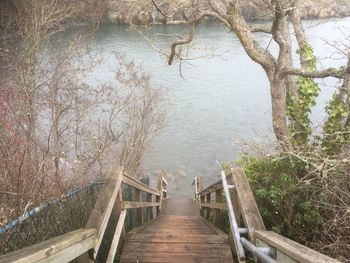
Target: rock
[(143, 12)]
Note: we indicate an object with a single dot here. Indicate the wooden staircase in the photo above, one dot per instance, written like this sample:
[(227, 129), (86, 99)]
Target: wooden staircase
[(175, 237), (175, 231)]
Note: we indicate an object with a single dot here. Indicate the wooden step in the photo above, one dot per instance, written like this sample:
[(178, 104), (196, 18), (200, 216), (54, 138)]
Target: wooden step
[(173, 238), (178, 238)]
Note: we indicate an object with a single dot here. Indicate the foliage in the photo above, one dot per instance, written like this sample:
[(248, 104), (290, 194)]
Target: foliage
[(304, 196), (59, 129), (284, 201), (337, 126), (299, 108)]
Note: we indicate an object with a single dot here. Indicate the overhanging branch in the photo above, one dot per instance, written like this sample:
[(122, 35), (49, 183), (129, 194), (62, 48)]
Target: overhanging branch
[(320, 74), (261, 28), (190, 37)]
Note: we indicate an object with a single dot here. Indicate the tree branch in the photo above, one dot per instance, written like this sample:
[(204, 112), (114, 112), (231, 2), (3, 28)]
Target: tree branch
[(320, 74), (190, 37), (261, 28)]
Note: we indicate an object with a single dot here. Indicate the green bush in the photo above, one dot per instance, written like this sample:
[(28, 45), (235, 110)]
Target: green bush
[(285, 202)]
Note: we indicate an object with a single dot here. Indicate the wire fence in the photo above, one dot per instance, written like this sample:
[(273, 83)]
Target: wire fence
[(60, 216)]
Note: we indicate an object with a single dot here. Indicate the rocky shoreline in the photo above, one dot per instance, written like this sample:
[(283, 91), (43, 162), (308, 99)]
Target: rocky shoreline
[(141, 12)]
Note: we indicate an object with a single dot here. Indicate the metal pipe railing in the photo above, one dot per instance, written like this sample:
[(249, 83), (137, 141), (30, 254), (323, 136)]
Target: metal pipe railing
[(262, 253), (233, 223)]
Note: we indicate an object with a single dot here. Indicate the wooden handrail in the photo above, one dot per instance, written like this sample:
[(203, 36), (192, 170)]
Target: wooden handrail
[(214, 187), (103, 207), (62, 248), (290, 251), (84, 244), (133, 182), (134, 204), (245, 207)]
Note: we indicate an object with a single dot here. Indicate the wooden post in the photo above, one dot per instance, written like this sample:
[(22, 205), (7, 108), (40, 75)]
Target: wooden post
[(246, 203), (161, 186), (158, 207), (202, 200), (218, 199), (149, 209), (102, 211), (139, 215), (119, 205), (207, 210)]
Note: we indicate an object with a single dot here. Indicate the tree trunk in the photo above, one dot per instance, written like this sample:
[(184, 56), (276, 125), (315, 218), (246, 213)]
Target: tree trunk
[(279, 106)]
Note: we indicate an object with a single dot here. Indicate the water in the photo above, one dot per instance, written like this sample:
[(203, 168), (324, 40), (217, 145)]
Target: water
[(223, 99)]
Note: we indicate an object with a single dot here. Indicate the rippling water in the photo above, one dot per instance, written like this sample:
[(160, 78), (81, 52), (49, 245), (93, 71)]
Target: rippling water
[(223, 99)]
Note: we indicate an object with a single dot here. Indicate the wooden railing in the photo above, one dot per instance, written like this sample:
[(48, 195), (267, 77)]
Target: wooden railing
[(110, 208), (276, 247)]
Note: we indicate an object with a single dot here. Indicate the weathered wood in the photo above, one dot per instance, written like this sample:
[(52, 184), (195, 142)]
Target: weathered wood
[(133, 182), (134, 204), (178, 238), (117, 235), (290, 251), (161, 187), (218, 199), (202, 201), (176, 257), (149, 209), (158, 201), (138, 198), (62, 248), (246, 201), (213, 187), (175, 247), (207, 206), (221, 206), (104, 205), (174, 238)]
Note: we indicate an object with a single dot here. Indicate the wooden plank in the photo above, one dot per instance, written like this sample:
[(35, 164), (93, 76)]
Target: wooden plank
[(164, 181), (201, 201), (211, 188), (214, 228), (178, 238), (246, 201), (62, 248), (214, 187), (222, 206), (116, 237), (218, 199), (207, 208), (161, 187), (138, 199), (104, 205), (293, 250), (171, 257), (149, 209), (133, 182), (133, 204), (172, 231), (175, 247), (158, 200)]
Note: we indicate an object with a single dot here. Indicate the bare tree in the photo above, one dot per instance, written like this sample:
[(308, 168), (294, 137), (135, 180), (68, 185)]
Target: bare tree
[(279, 70), (57, 130)]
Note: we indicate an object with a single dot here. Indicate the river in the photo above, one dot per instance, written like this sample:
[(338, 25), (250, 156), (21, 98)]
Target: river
[(223, 99)]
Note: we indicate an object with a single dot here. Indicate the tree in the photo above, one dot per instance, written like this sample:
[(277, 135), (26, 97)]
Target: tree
[(280, 70), (57, 130)]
